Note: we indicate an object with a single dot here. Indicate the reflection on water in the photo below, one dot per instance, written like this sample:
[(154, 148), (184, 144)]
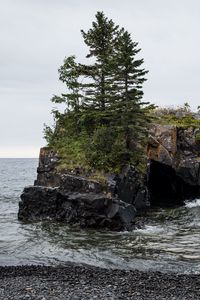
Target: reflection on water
[(168, 242)]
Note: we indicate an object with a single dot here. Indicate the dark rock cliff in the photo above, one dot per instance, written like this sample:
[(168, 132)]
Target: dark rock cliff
[(77, 200), (173, 175), (174, 165)]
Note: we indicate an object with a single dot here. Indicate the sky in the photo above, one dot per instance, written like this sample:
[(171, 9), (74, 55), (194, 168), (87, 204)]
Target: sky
[(36, 35)]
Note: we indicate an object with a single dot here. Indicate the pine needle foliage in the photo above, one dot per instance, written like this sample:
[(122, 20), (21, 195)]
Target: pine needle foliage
[(105, 120)]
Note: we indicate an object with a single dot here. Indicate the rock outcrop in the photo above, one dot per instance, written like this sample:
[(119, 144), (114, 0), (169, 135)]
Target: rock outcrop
[(87, 210), (76, 200), (174, 165), (173, 175)]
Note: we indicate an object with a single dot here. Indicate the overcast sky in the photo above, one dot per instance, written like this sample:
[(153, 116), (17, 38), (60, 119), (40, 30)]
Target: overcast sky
[(36, 35)]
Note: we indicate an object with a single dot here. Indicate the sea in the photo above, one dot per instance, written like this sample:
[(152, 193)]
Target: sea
[(169, 241)]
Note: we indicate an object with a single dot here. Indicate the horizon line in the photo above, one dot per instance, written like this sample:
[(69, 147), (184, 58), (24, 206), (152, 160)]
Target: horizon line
[(19, 157)]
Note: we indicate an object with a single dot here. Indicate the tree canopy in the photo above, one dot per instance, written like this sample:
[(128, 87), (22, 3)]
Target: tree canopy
[(104, 125)]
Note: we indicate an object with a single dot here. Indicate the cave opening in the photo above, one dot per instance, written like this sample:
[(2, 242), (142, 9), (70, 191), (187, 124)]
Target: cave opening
[(166, 188)]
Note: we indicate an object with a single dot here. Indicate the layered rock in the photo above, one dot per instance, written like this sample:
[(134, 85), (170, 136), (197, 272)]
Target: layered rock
[(87, 210), (47, 174), (174, 168), (64, 196), (173, 176)]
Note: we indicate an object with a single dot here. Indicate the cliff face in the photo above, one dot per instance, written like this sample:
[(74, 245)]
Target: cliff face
[(173, 175), (47, 174), (174, 170)]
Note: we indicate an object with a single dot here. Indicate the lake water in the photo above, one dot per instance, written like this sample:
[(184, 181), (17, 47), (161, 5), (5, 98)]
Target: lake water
[(169, 241)]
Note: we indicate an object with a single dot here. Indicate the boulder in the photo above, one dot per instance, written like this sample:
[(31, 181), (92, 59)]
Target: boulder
[(37, 203), (69, 182), (131, 189), (86, 210)]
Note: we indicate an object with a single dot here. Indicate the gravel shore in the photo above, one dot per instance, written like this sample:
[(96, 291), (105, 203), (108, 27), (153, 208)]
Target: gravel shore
[(85, 282)]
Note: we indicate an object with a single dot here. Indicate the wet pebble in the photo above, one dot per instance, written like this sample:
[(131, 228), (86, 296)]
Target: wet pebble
[(86, 282)]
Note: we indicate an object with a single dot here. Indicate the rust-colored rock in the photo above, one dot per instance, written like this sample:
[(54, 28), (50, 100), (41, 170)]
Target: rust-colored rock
[(162, 145), (174, 170)]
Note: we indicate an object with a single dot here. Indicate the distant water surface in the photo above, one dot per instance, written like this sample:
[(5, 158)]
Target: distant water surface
[(169, 242)]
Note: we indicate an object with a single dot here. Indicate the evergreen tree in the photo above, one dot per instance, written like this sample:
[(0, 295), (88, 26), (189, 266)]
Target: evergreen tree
[(70, 75), (129, 76), (105, 118), (100, 39), (128, 111)]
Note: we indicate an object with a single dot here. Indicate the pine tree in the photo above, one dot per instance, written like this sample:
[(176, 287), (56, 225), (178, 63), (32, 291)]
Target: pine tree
[(100, 39), (127, 109), (104, 100), (129, 77), (70, 75)]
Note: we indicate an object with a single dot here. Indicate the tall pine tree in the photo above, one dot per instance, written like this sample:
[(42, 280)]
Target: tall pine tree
[(104, 98), (128, 110), (70, 75), (100, 39)]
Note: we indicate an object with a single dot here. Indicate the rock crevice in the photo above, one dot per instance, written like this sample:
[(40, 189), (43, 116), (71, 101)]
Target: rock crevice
[(174, 165)]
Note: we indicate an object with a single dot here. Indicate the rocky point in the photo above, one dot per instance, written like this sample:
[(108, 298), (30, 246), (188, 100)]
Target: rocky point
[(173, 175)]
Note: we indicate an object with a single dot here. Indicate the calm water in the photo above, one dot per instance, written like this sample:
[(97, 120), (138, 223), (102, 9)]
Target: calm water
[(169, 242)]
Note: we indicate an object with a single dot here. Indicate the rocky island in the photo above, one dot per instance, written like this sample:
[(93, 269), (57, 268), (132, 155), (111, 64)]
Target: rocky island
[(173, 176), (110, 159), (114, 210), (111, 156)]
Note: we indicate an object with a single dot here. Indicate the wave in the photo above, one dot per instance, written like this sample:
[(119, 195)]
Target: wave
[(191, 204), (149, 229)]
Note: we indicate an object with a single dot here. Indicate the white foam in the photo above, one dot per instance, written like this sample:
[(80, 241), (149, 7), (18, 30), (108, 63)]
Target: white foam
[(194, 203), (149, 229)]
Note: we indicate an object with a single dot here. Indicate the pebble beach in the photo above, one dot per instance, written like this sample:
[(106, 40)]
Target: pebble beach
[(85, 282)]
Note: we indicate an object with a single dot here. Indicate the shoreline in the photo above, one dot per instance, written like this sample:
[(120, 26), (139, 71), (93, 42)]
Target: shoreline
[(74, 281)]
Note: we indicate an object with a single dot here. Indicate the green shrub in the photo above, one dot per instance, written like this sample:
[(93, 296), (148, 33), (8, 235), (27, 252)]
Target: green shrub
[(197, 137)]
